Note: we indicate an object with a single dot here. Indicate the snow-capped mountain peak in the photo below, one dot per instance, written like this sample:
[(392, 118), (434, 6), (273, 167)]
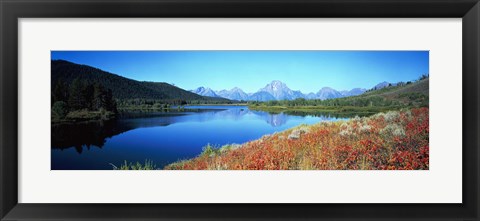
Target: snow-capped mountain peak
[(279, 91)]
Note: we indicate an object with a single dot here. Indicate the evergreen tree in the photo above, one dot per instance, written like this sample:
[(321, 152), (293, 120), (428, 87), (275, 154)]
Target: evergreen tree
[(60, 91), (88, 95), (77, 99), (111, 104), (59, 109), (99, 97)]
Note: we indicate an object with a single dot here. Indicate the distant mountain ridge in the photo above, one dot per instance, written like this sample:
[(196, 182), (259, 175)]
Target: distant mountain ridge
[(233, 94), (205, 92), (328, 93), (277, 90), (382, 85)]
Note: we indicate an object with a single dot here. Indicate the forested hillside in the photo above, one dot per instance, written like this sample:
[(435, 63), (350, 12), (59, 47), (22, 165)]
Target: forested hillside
[(64, 72)]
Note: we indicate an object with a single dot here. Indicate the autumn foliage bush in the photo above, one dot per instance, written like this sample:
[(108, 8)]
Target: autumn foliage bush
[(396, 140)]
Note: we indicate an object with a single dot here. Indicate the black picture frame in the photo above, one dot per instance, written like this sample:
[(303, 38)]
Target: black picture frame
[(12, 10)]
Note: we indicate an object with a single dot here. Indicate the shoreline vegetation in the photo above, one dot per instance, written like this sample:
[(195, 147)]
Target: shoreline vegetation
[(337, 110), (395, 140), (148, 165), (81, 116), (82, 101)]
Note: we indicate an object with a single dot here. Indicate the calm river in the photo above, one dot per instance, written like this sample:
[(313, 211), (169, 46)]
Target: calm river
[(163, 137)]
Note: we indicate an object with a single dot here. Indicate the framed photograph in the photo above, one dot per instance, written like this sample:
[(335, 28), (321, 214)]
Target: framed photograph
[(98, 118), (161, 110)]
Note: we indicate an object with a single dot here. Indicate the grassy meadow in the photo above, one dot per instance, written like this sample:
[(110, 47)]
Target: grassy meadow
[(396, 140)]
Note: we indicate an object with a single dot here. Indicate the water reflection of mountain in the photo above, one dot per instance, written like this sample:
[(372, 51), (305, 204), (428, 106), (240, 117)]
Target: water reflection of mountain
[(86, 135), (226, 114), (275, 120)]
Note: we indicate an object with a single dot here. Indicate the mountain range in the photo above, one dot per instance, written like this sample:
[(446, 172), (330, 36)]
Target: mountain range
[(125, 88), (277, 90)]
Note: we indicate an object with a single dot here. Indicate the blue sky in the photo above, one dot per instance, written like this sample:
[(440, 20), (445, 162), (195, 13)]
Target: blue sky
[(307, 71)]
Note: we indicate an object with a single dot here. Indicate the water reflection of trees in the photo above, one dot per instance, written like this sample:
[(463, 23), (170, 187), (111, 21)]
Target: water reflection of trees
[(88, 134), (84, 134)]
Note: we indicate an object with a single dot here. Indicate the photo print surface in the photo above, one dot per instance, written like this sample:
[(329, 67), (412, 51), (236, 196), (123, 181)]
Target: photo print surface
[(240, 110)]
